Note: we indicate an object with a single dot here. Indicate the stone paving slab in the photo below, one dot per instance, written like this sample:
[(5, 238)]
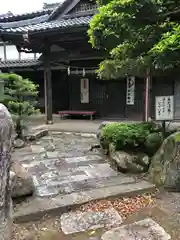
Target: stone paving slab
[(86, 158), (74, 222), (50, 174), (146, 229), (58, 162), (100, 170), (38, 207)]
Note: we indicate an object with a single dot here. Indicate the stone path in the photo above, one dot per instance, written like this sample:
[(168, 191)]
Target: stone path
[(66, 173)]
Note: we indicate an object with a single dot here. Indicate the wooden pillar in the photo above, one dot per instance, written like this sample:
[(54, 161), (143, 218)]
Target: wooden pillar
[(4, 49), (147, 96), (47, 87)]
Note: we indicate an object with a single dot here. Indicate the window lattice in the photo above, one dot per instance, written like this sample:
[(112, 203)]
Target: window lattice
[(85, 7)]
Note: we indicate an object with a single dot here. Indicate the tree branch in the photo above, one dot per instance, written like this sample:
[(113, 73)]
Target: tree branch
[(170, 13)]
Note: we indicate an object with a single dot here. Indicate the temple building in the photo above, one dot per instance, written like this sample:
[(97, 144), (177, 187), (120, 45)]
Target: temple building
[(51, 48)]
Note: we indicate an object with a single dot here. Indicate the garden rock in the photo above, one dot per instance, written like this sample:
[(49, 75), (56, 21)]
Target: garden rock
[(22, 182), (6, 134), (165, 166), (19, 143), (37, 134), (129, 162)]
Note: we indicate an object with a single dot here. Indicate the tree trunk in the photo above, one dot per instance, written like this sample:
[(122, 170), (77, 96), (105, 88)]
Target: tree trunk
[(6, 130)]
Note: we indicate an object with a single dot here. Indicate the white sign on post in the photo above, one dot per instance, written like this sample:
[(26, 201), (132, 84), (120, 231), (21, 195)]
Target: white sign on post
[(164, 108), (130, 95)]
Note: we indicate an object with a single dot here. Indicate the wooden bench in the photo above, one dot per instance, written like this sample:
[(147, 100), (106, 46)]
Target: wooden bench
[(77, 113)]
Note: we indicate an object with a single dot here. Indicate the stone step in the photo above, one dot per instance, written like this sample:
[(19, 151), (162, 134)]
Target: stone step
[(57, 187), (38, 207)]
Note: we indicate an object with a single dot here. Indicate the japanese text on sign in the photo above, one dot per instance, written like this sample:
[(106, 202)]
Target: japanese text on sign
[(164, 108), (130, 91)]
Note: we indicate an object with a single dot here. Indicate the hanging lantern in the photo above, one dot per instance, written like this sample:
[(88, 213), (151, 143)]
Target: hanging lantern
[(84, 72), (69, 71)]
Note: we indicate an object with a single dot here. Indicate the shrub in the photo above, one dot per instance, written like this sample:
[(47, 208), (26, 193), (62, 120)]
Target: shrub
[(20, 98), (128, 135), (153, 142)]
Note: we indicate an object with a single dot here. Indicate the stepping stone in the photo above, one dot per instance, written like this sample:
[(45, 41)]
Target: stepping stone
[(101, 170), (74, 222), (146, 229), (38, 149), (86, 158)]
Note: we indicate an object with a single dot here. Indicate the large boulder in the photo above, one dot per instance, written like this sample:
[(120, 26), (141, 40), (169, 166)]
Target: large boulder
[(22, 182), (129, 162), (6, 138), (165, 165)]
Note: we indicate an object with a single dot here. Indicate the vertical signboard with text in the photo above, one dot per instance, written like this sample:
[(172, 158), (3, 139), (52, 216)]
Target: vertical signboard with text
[(164, 108), (130, 95), (84, 90)]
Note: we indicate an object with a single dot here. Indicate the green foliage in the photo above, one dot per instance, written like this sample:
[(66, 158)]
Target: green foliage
[(153, 142), (137, 34), (20, 97), (132, 136)]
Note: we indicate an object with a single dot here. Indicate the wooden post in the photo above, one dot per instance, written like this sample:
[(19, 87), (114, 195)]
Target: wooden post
[(147, 96), (4, 48), (47, 86)]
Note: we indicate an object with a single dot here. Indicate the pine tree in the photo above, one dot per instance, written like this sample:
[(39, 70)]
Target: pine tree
[(20, 98)]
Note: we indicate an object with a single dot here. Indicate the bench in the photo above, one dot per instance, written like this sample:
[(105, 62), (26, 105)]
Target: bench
[(76, 113)]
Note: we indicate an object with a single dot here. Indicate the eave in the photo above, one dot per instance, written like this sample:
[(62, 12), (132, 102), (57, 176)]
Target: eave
[(45, 27), (19, 63)]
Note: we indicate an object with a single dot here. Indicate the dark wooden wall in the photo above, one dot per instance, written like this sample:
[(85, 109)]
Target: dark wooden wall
[(107, 98), (160, 87)]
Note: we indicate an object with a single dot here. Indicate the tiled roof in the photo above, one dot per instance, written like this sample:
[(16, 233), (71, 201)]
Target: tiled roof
[(24, 16), (23, 23), (19, 63), (52, 25), (6, 15), (9, 17)]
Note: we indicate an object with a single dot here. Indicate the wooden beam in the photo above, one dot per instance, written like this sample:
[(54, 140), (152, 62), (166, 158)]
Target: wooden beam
[(47, 86)]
